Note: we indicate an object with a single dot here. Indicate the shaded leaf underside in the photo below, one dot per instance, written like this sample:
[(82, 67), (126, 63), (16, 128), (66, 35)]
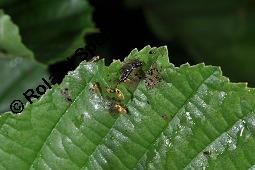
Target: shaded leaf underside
[(18, 69), (46, 26), (194, 118), (18, 75)]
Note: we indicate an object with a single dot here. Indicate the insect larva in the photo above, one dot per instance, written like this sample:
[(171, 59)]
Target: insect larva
[(128, 68), (119, 94), (120, 108)]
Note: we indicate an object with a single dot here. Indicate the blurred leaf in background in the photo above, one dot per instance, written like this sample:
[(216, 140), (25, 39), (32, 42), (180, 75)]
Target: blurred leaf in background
[(10, 40), (37, 30), (51, 29), (215, 32), (17, 76), (19, 71)]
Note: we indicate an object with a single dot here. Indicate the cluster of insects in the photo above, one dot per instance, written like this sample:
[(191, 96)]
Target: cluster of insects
[(116, 103), (130, 72)]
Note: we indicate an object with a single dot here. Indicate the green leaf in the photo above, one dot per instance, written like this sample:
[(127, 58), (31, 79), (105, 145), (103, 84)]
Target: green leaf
[(41, 25), (10, 40), (215, 32), (19, 71), (46, 26), (192, 118), (17, 76)]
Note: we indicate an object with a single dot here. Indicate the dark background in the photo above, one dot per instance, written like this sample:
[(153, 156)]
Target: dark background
[(219, 33), (121, 30)]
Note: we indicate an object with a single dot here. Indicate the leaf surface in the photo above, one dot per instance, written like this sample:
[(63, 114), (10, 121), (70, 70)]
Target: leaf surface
[(19, 71), (192, 118)]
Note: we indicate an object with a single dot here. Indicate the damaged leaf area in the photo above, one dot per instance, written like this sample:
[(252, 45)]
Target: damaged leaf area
[(148, 115)]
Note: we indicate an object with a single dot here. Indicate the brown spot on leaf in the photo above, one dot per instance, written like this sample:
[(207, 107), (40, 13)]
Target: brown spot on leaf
[(152, 77)]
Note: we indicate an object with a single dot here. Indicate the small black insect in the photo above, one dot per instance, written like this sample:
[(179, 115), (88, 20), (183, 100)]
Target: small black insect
[(207, 152), (128, 68), (66, 94)]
